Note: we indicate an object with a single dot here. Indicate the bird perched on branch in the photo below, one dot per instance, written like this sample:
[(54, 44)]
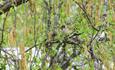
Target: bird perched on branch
[(51, 38), (73, 37), (65, 29), (102, 36), (51, 35)]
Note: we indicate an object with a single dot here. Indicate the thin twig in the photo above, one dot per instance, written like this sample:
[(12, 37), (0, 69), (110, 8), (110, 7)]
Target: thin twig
[(86, 15), (3, 27)]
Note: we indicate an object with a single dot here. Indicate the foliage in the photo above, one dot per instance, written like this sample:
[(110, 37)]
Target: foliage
[(66, 34)]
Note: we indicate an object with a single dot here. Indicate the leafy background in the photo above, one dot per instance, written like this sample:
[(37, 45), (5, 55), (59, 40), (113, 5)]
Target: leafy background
[(32, 25)]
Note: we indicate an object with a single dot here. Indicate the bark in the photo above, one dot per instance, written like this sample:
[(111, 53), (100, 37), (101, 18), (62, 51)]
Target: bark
[(7, 4)]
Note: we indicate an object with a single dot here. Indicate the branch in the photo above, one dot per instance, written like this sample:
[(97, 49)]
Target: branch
[(5, 7), (3, 27), (87, 16)]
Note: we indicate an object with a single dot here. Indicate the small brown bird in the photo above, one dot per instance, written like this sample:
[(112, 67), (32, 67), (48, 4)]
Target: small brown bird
[(65, 29), (51, 35)]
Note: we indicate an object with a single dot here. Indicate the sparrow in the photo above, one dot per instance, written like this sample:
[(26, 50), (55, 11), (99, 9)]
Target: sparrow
[(102, 37)]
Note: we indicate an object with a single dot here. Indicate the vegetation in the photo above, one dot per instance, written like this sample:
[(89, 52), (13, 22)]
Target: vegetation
[(57, 34)]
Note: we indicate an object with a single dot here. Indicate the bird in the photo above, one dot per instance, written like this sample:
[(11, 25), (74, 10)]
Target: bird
[(65, 29), (103, 36)]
